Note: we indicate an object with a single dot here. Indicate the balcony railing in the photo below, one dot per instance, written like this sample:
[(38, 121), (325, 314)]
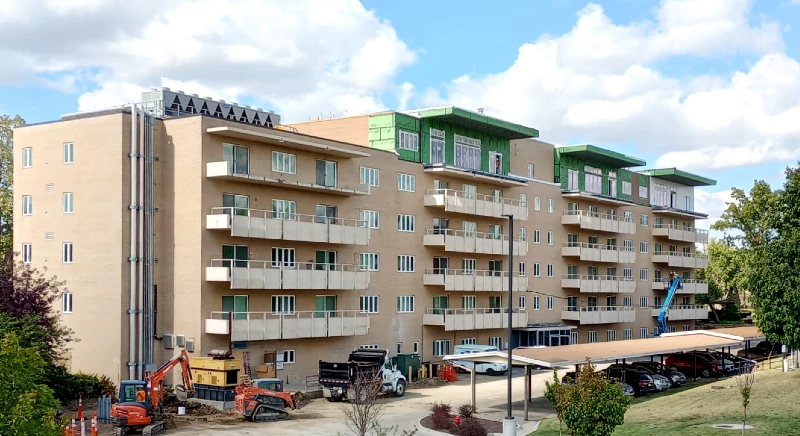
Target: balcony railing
[(474, 319), (474, 280), (474, 242), (599, 284), (271, 224), (683, 312), (690, 286), (599, 252), (598, 221), (266, 326), (599, 314), (675, 232), (476, 204), (266, 274), (222, 171), (681, 260)]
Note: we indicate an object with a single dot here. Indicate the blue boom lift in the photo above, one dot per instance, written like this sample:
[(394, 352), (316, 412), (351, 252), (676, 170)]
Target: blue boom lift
[(675, 283)]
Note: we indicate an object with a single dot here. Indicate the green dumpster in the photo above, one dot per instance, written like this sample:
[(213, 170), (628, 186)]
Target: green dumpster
[(403, 361)]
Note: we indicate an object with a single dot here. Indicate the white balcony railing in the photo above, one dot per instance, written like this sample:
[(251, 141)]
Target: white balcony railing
[(474, 319), (474, 242), (680, 233), (690, 286), (266, 274), (599, 252), (221, 170), (684, 312), (681, 260), (270, 224), (476, 204), (599, 284), (599, 314), (598, 221), (474, 280), (266, 326)]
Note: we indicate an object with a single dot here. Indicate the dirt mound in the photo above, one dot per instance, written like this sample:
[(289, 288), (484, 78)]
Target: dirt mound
[(426, 383)]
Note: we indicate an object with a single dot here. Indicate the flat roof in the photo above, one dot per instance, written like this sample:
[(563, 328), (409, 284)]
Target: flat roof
[(678, 176), (289, 139), (476, 121), (601, 155)]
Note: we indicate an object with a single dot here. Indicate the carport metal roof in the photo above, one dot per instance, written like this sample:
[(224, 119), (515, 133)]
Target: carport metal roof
[(598, 352)]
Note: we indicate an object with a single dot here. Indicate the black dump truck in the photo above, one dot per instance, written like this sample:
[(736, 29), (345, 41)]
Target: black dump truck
[(369, 363)]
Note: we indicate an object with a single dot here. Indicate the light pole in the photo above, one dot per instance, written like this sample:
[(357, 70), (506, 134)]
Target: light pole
[(509, 424)]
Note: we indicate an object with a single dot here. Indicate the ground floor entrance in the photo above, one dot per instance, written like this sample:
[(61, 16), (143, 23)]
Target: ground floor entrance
[(547, 335)]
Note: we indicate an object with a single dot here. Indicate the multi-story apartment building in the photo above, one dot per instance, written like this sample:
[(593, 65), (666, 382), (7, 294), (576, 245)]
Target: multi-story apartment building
[(305, 241)]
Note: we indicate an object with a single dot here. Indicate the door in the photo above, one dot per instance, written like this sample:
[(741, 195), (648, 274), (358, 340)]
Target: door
[(238, 204), (240, 254), (441, 186), (440, 305), (555, 339), (440, 265), (325, 304), (673, 199), (495, 163), (496, 268), (325, 260), (496, 304), (238, 304), (469, 191), (326, 173), (440, 226), (326, 214)]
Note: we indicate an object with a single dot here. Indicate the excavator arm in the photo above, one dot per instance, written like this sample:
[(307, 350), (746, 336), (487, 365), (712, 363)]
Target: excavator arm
[(155, 381), (675, 283)]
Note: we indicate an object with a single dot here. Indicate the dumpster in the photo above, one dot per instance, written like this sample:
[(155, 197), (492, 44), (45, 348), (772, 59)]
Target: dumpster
[(403, 361)]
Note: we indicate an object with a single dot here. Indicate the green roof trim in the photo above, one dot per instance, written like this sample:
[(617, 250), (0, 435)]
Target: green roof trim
[(476, 121), (681, 177), (593, 153)]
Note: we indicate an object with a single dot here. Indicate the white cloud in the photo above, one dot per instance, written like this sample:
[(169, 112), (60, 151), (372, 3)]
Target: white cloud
[(713, 204), (600, 81), (300, 57)]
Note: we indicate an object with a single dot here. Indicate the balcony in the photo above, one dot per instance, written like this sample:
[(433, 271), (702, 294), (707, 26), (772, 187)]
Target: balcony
[(222, 171), (687, 312), (474, 319), (263, 274), (681, 260), (599, 314), (599, 284), (678, 213), (598, 252), (474, 280), (474, 242), (598, 222), (266, 326), (476, 204), (266, 224), (690, 286), (679, 233)]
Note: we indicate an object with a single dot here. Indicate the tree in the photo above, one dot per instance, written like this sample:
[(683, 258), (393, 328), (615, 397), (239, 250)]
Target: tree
[(363, 413), (7, 125), (551, 392), (26, 407), (745, 384)]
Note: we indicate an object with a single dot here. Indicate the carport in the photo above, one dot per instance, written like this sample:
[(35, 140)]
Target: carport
[(602, 352)]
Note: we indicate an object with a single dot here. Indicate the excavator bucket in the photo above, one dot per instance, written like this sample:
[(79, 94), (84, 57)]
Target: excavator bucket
[(299, 399)]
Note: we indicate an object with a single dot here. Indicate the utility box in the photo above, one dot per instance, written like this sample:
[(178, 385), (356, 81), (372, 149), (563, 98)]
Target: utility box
[(403, 361), (216, 372)]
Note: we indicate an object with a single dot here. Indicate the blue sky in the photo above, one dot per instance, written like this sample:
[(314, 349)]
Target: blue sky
[(616, 73)]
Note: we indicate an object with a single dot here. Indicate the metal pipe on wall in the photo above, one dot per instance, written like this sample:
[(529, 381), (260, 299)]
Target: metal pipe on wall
[(132, 256), (140, 254), (149, 213)]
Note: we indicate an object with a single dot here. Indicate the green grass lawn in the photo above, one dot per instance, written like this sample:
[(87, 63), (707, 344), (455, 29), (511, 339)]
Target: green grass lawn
[(691, 411)]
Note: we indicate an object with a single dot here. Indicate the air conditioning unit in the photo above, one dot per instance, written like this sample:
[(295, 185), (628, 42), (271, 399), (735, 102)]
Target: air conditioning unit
[(190, 345), (168, 342), (180, 340)]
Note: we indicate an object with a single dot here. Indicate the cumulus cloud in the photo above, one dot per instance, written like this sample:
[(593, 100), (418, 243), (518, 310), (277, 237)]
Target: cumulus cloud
[(713, 204), (300, 57)]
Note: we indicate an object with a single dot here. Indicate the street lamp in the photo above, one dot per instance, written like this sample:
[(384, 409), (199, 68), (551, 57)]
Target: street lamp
[(509, 425)]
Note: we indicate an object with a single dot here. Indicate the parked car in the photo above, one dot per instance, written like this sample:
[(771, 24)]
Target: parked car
[(676, 378), (740, 364), (762, 350), (570, 377), (640, 381), (662, 383), (628, 390), (697, 364), (728, 365)]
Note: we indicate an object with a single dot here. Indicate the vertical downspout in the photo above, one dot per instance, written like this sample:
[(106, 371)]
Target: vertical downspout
[(140, 262), (132, 258)]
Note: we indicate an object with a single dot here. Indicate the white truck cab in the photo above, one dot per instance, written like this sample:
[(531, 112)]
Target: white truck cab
[(480, 367)]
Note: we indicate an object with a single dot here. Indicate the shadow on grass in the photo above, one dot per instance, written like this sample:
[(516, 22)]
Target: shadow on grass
[(673, 391)]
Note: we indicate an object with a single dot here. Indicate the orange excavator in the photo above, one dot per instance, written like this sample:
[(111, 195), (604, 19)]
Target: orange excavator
[(140, 401), (259, 404)]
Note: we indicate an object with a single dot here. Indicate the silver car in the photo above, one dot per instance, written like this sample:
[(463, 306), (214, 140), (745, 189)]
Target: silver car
[(662, 383)]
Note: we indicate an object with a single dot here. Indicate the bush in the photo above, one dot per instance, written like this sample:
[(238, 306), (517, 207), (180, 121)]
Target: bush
[(471, 427), (466, 410), (441, 408), (69, 387), (440, 416)]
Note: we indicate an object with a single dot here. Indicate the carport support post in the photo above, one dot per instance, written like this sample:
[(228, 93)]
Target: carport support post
[(527, 389), (509, 425), (694, 354), (472, 383)]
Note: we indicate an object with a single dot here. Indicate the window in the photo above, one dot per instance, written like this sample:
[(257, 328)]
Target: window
[(537, 237), (686, 327), (572, 180), (238, 158), (592, 337), (66, 252), (496, 231), (27, 157), (643, 192), (660, 195), (468, 152), (643, 274), (368, 261), (69, 153), (234, 204), (284, 162), (284, 210), (288, 356), (416, 347), (406, 182), (437, 146), (643, 220), (627, 245), (370, 176), (368, 304), (372, 218), (27, 205), (67, 202), (496, 266), (593, 180), (530, 171), (27, 253), (643, 302), (405, 263), (406, 223), (672, 329), (627, 217), (327, 173), (644, 333), (611, 335), (405, 304), (687, 203), (282, 257), (468, 302), (522, 302), (495, 162), (441, 347), (408, 141), (643, 247), (536, 269), (551, 204), (626, 188), (496, 341), (537, 203), (469, 265), (535, 302), (627, 301), (573, 338), (549, 302), (469, 341), (522, 272), (549, 270), (66, 302), (283, 304), (550, 238)]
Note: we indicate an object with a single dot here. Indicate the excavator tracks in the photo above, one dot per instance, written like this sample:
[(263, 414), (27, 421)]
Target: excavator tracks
[(154, 428), (269, 412)]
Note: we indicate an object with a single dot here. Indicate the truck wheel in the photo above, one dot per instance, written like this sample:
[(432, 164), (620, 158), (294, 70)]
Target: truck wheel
[(490, 372), (400, 390)]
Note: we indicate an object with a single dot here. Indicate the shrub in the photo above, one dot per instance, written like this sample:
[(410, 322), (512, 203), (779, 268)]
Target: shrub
[(441, 408), (471, 427), (466, 410), (442, 421), (68, 387)]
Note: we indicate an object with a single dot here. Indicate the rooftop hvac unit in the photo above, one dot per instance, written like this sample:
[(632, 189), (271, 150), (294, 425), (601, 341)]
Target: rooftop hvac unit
[(180, 340), (168, 342)]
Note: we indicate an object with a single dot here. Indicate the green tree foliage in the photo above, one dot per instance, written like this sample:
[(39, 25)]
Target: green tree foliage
[(767, 261), (726, 273), (26, 406), (551, 392), (7, 125)]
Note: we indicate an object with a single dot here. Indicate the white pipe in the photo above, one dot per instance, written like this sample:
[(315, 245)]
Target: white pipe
[(141, 246), (132, 306)]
